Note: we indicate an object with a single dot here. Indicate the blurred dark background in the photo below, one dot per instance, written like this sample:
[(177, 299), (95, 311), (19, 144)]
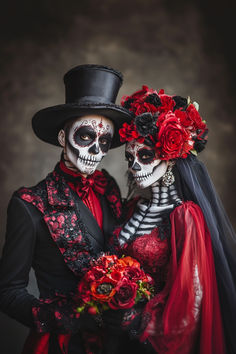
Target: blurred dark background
[(185, 47)]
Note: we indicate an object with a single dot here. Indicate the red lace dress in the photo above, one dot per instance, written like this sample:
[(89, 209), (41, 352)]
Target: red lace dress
[(184, 315)]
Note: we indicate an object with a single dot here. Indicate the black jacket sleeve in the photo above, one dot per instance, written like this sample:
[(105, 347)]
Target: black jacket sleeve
[(16, 263), (60, 314)]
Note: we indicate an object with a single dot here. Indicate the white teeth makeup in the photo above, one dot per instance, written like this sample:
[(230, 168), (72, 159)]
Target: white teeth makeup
[(88, 140), (143, 164)]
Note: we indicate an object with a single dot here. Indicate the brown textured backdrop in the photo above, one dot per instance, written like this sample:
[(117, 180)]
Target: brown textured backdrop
[(182, 46)]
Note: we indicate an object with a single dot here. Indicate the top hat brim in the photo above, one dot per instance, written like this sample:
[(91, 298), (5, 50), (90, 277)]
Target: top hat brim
[(47, 122)]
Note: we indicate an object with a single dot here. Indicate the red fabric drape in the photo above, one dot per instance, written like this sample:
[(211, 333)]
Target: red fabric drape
[(178, 323), (37, 343)]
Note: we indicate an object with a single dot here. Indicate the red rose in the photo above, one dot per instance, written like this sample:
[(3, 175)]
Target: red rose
[(173, 139), (193, 119), (125, 295), (139, 107), (128, 132), (138, 95), (134, 273), (116, 274), (167, 103)]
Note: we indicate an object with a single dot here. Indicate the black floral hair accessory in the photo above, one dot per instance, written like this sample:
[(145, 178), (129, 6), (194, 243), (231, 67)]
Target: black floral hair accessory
[(145, 124), (180, 102), (171, 124), (154, 99)]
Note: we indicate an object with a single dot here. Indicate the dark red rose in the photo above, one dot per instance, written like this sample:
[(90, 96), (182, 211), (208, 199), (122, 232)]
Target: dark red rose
[(173, 139), (134, 273), (94, 274), (125, 295)]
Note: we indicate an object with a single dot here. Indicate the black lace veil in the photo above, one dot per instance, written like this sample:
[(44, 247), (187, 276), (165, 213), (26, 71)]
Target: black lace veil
[(195, 184)]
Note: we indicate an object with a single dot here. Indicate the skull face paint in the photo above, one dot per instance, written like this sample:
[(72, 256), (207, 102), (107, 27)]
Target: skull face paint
[(88, 140), (143, 164)]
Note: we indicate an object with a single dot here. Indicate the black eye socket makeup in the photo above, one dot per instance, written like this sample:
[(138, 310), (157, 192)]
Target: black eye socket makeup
[(84, 136), (105, 142), (146, 156), (129, 158)]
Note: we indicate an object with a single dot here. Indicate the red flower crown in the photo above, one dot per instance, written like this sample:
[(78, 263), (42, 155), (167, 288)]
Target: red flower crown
[(170, 123)]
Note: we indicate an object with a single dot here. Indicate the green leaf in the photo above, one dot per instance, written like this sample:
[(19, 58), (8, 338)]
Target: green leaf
[(194, 152)]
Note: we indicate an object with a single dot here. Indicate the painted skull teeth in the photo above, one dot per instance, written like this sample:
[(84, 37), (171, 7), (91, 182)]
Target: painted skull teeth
[(89, 160), (142, 177)]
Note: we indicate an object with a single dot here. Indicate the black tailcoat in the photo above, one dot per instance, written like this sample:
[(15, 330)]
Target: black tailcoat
[(50, 229)]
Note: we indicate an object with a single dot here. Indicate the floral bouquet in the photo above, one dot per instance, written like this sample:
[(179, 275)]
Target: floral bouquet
[(113, 283)]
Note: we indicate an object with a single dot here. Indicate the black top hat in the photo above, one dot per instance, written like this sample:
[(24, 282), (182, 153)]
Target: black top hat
[(90, 89)]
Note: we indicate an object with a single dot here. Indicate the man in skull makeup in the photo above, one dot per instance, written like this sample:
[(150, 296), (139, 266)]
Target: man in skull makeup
[(180, 235), (86, 141), (61, 224)]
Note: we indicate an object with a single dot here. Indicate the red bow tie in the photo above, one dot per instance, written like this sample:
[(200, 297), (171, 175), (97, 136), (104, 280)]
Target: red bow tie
[(81, 185), (97, 181)]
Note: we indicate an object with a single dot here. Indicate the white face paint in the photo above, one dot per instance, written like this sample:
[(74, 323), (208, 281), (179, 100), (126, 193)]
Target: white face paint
[(88, 140), (143, 164)]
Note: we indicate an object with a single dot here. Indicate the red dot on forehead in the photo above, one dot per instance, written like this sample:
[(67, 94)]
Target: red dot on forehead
[(100, 125)]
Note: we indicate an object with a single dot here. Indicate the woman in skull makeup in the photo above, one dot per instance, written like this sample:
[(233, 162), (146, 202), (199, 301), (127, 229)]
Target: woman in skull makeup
[(180, 235)]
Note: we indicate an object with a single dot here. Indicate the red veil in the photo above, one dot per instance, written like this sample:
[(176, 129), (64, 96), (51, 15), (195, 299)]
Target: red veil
[(187, 311)]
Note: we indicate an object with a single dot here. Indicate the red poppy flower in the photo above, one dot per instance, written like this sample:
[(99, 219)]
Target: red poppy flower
[(129, 261), (103, 290)]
